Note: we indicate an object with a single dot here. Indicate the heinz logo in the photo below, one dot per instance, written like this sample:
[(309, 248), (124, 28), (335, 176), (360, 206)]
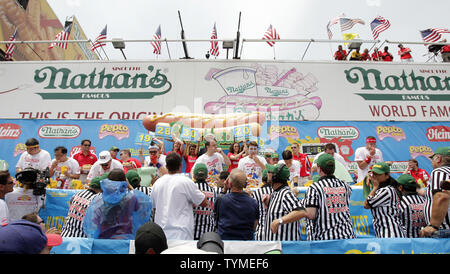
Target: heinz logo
[(10, 131), (438, 134)]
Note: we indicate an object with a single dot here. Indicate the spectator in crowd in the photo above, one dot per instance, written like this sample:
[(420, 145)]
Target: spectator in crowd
[(275, 158), (329, 148), (34, 157), (105, 163), (237, 212), (253, 165), (405, 54), (25, 237), (367, 156), (114, 151), (34, 218), (214, 158), (305, 163), (134, 179), (190, 156), (6, 186), (326, 205), (356, 55), (116, 213), (85, 159), (268, 157), (22, 200), (386, 55), (384, 202), (64, 169), (280, 206), (340, 54), (173, 197), (365, 56), (259, 195), (178, 147), (411, 206), (78, 204), (235, 153), (437, 210), (203, 216), (128, 162), (377, 55), (445, 52), (150, 239), (421, 175), (220, 185), (293, 165)]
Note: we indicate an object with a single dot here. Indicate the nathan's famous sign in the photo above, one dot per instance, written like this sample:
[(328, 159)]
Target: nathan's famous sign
[(151, 83)]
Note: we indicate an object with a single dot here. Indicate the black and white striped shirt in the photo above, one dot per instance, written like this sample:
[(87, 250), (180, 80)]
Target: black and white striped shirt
[(73, 225), (437, 176), (147, 190), (385, 207), (412, 214), (258, 195), (282, 202), (331, 197), (204, 216)]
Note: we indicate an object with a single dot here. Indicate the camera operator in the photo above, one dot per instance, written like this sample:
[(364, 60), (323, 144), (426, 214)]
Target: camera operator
[(29, 196), (34, 157)]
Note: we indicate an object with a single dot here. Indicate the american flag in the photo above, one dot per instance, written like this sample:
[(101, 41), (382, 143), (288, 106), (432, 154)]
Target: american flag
[(214, 44), (347, 23), (98, 41), (10, 47), (378, 25), (331, 23), (62, 36), (157, 44), (271, 34), (433, 35)]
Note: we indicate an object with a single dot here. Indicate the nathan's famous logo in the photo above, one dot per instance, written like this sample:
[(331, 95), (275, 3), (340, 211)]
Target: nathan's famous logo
[(390, 131), (282, 131), (59, 131), (117, 130), (338, 132), (438, 134), (372, 79), (10, 131), (94, 83), (416, 151)]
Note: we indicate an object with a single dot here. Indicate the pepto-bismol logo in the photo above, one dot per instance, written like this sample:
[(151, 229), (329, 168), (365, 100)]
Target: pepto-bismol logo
[(59, 131)]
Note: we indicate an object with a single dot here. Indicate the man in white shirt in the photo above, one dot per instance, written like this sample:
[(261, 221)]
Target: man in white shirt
[(367, 156), (329, 148), (64, 169), (253, 166), (34, 157), (214, 159), (6, 186), (293, 165), (104, 164), (173, 198)]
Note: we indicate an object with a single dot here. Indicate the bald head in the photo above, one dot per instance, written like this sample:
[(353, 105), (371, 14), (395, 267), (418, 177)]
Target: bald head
[(238, 179)]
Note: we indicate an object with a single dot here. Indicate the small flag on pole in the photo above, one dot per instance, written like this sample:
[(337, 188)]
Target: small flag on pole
[(347, 23), (331, 23), (62, 36), (10, 47), (378, 25), (214, 44), (271, 34), (432, 35), (98, 41), (157, 44)]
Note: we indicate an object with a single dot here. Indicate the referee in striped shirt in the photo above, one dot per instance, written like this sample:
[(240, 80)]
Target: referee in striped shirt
[(384, 202), (258, 195), (437, 210)]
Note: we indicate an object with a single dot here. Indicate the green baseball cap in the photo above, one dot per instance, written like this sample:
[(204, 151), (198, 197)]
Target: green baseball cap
[(445, 151), (381, 168), (95, 182), (200, 169), (283, 173), (407, 180), (325, 160), (133, 178), (275, 155), (114, 148)]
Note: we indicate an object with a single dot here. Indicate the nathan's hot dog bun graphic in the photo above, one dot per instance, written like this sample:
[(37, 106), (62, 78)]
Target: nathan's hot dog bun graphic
[(207, 121)]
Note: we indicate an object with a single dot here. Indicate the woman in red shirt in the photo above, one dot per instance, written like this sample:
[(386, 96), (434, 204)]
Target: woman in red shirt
[(190, 156), (235, 153)]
